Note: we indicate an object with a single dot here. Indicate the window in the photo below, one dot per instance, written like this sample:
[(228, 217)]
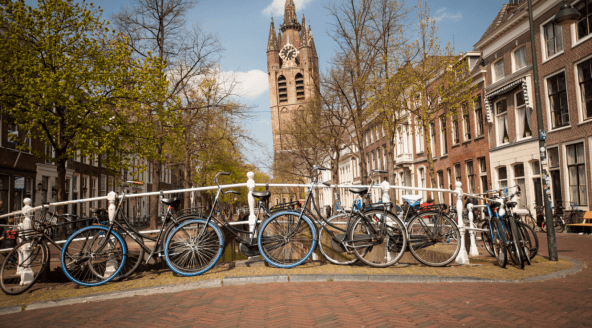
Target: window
[(455, 132), (520, 58), (498, 70), (422, 181), (385, 162), (282, 89), (483, 173), (418, 138), (433, 138), (299, 87), (467, 126), (470, 177), (13, 135), (584, 25), (520, 181), (553, 39), (536, 180), (558, 100), (373, 161), (501, 111), (478, 117), (523, 123), (576, 167), (502, 177), (443, 136), (441, 184), (457, 173), (585, 83)]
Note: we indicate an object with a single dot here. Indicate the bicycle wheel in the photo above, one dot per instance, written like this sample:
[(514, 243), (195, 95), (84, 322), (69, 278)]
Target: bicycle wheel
[(90, 257), (524, 243), (22, 266), (498, 243), (485, 237), (558, 223), (515, 245), (529, 221), (135, 256), (286, 241), (531, 239), (374, 247), (433, 238), (330, 237), (193, 247)]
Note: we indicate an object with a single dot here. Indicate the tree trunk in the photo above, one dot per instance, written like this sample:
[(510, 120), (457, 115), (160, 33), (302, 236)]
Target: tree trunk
[(430, 157), (61, 168), (155, 200)]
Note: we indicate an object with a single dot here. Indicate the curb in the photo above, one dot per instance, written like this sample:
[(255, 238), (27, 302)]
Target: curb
[(237, 281)]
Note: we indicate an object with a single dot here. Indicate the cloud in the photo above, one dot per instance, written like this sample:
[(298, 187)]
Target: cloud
[(276, 7), (443, 14), (251, 84)]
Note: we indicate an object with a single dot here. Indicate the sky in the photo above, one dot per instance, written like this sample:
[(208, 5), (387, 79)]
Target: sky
[(243, 29)]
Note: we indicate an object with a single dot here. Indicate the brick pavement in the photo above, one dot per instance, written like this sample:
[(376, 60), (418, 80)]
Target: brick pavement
[(565, 302)]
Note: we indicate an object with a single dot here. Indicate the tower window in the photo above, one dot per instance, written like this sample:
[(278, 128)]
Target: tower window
[(282, 89), (299, 86)]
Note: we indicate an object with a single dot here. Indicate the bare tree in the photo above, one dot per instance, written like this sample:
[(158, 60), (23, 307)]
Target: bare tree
[(159, 26)]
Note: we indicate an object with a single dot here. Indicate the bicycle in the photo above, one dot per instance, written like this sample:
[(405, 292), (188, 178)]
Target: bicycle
[(97, 254), (574, 214), (433, 237), (288, 238), (365, 222), (31, 257)]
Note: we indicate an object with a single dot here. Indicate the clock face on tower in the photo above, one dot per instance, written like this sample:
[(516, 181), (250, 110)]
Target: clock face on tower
[(288, 53)]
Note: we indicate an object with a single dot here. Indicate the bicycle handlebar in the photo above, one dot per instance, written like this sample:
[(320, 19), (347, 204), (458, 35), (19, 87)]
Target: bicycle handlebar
[(216, 177), (232, 192)]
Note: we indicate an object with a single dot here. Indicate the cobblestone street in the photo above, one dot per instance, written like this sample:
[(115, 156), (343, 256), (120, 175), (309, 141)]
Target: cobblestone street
[(565, 302)]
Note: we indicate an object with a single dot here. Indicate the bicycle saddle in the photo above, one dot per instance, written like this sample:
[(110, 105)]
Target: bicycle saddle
[(94, 210), (512, 204), (261, 194), (171, 201), (359, 191)]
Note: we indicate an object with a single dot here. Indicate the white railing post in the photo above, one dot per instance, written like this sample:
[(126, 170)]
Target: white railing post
[(386, 198), (251, 199), (112, 198), (463, 257), (111, 265), (473, 251), (25, 271)]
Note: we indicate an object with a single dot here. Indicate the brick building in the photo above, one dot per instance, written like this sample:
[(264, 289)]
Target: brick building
[(563, 56)]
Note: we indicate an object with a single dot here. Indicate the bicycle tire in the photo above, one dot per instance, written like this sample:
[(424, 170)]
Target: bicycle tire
[(382, 251), (88, 260), (194, 247), (516, 246), (285, 241), (485, 237), (498, 243), (135, 256), (330, 238), (558, 223), (529, 221), (524, 243), (532, 239), (437, 245), (11, 280)]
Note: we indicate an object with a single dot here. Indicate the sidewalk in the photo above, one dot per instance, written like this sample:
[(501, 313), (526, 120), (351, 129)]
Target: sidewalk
[(566, 301)]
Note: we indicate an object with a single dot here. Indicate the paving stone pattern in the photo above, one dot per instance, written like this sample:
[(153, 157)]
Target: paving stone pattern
[(564, 302)]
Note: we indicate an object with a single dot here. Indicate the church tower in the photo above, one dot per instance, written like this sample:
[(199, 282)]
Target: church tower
[(293, 70)]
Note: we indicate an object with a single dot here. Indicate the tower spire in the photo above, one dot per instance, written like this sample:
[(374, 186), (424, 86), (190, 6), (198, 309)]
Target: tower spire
[(303, 33), (272, 43), (290, 19)]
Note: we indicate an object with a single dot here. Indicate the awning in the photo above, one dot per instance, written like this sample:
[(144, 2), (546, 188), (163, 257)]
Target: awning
[(503, 90)]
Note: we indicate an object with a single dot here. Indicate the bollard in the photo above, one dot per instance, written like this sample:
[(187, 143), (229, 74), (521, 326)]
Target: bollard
[(463, 257), (26, 272), (472, 233), (385, 191), (251, 199), (111, 265)]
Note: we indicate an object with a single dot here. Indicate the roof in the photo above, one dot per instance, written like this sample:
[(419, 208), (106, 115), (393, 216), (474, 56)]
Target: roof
[(507, 11)]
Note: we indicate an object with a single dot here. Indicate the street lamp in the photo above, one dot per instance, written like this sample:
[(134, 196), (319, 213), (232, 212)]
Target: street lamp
[(567, 15)]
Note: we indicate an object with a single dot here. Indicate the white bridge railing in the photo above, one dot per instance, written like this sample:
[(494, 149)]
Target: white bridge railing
[(385, 187)]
